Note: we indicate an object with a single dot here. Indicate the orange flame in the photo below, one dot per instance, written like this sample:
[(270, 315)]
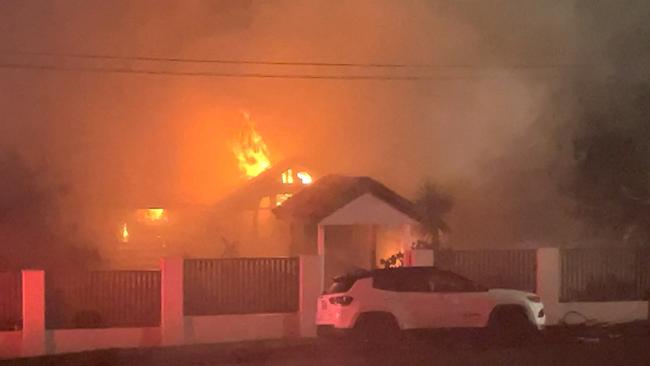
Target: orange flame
[(155, 214), (124, 233), (287, 177), (281, 198), (251, 151), (305, 178)]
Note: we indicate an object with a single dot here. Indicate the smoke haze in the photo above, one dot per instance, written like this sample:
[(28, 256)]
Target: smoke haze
[(495, 132)]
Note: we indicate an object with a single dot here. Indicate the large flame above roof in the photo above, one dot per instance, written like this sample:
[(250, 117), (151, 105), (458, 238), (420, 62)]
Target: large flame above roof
[(251, 151)]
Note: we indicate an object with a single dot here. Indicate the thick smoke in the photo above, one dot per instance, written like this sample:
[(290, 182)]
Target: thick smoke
[(496, 132)]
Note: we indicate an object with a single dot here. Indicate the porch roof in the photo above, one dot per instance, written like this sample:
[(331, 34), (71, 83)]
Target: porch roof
[(332, 193)]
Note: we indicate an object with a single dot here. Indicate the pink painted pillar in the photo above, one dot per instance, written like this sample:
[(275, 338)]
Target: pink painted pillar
[(172, 317), (33, 333), (311, 275)]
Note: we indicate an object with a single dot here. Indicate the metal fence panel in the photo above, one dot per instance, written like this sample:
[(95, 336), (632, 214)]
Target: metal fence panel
[(604, 274), (102, 299), (11, 301), (643, 273), (241, 286), (515, 269)]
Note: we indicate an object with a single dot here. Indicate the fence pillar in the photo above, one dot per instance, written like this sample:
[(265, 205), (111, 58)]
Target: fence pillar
[(172, 317), (311, 277), (33, 334), (549, 282)]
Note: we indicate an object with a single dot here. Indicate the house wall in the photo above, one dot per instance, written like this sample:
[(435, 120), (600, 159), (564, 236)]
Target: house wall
[(201, 235), (264, 236), (390, 241), (375, 230), (303, 238), (348, 247)]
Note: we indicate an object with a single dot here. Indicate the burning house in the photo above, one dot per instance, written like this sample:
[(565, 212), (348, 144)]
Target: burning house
[(240, 224), (279, 210), (354, 222)]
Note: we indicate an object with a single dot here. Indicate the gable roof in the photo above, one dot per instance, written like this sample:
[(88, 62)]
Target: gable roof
[(248, 195), (330, 193)]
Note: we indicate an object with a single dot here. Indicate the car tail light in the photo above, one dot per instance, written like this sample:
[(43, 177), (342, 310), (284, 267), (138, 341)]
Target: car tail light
[(341, 300), (534, 298)]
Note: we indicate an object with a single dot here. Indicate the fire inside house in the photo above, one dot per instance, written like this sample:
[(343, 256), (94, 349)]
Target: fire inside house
[(253, 157), (243, 216)]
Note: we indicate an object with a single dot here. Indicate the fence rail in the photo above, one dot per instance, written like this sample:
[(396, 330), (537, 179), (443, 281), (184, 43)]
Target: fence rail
[(604, 274), (241, 286), (11, 301), (516, 269), (102, 299)]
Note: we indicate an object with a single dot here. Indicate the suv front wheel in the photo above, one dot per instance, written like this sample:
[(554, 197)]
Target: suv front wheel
[(510, 325)]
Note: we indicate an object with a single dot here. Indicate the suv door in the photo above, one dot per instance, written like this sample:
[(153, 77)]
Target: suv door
[(408, 296), (467, 304)]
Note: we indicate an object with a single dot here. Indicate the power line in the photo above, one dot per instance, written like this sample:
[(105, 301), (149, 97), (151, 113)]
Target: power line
[(93, 56), (119, 70)]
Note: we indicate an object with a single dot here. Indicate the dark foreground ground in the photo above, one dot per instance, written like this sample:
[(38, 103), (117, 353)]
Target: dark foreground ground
[(628, 346)]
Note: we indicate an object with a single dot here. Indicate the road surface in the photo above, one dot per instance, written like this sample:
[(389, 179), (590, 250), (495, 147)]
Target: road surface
[(604, 348)]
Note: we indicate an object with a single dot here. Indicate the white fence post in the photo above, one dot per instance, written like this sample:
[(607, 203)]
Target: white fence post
[(172, 321), (311, 277), (549, 282), (33, 333)]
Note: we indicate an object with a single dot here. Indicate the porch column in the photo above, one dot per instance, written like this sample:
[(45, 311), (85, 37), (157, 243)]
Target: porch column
[(320, 244), (33, 332)]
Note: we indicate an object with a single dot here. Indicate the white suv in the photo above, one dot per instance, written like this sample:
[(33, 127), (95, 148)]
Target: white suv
[(374, 302)]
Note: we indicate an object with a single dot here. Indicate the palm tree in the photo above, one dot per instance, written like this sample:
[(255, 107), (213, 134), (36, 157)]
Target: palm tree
[(432, 204)]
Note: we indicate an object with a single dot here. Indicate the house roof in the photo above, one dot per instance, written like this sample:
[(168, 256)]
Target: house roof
[(248, 195), (330, 193)]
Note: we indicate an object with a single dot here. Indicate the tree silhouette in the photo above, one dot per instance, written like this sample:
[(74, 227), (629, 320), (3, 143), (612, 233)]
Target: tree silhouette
[(32, 234), (432, 204)]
